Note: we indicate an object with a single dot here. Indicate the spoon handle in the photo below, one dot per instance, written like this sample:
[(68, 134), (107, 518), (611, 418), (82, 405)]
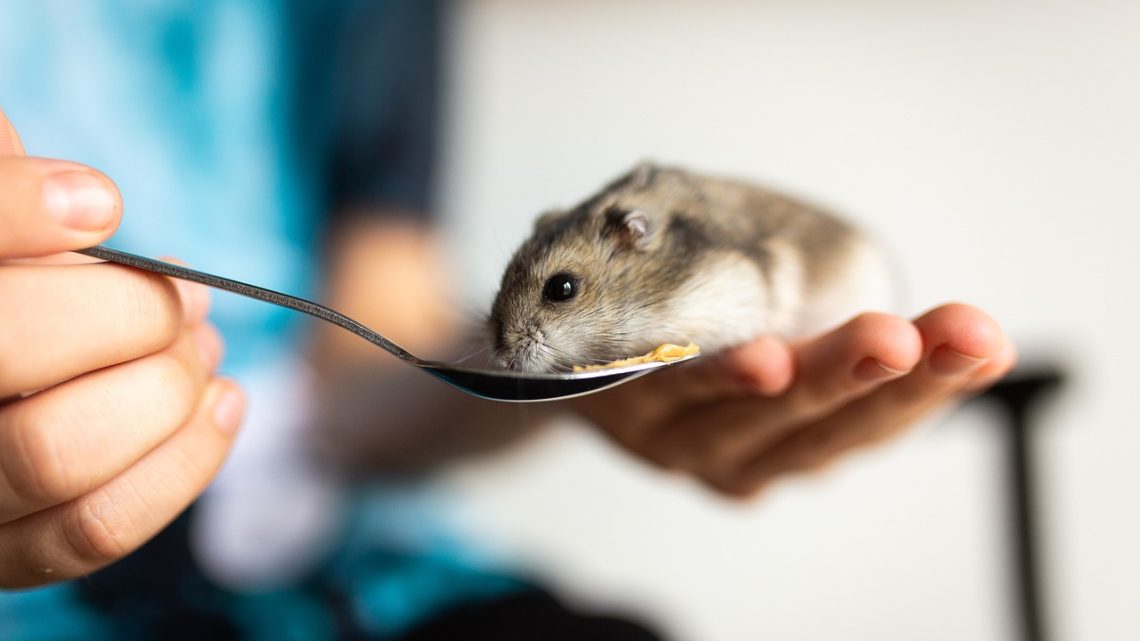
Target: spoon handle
[(251, 291)]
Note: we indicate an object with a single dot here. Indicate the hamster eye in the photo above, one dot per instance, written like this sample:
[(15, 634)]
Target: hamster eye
[(560, 288)]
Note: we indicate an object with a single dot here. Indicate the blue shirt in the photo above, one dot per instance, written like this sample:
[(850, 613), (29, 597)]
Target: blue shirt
[(236, 130), (233, 128)]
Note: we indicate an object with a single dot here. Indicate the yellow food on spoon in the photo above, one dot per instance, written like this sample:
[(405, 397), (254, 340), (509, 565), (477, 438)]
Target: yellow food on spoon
[(663, 353)]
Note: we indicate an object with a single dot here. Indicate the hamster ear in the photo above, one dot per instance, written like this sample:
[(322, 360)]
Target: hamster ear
[(642, 175), (547, 217), (636, 228)]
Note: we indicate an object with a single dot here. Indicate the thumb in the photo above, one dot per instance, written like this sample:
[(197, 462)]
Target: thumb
[(50, 206), (9, 140)]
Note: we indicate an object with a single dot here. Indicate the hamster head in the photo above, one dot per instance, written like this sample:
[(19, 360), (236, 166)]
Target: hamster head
[(592, 284)]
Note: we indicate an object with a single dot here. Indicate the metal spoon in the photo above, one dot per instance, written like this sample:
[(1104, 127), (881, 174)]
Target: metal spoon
[(496, 385)]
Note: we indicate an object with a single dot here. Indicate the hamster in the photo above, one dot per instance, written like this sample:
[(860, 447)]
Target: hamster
[(665, 255)]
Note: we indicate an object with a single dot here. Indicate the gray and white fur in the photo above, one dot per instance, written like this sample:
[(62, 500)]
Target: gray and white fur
[(665, 255)]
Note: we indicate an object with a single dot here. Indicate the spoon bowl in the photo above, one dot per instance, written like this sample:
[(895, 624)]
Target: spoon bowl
[(491, 384), (521, 387)]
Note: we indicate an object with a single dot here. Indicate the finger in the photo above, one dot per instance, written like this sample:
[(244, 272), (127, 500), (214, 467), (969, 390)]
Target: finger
[(66, 441), (635, 412), (52, 206), (958, 341), (994, 370), (761, 366), (195, 298), (10, 144), (76, 319), (858, 356), (80, 536), (831, 370)]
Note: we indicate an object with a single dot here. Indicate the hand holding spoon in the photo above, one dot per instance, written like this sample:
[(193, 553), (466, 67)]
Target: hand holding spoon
[(496, 385)]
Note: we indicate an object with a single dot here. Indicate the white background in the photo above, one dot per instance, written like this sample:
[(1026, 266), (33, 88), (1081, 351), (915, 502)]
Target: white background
[(995, 147)]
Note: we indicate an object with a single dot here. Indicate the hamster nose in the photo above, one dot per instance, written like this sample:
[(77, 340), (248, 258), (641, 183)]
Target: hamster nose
[(534, 332)]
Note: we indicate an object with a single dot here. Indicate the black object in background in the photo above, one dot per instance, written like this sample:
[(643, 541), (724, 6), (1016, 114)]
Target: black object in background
[(1018, 398)]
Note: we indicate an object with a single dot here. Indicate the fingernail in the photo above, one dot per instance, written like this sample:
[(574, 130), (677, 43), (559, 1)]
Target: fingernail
[(870, 370), (228, 411), (195, 297), (945, 361), (209, 345), (80, 200), (195, 300)]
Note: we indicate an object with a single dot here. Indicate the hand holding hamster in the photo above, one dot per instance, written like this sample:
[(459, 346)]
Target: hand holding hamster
[(767, 409), (637, 265), (665, 255)]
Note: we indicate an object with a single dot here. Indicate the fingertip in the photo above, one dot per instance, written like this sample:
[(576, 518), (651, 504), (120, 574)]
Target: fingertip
[(54, 206), (209, 344), (959, 340), (897, 344), (195, 298), (881, 346), (82, 199), (1007, 358), (983, 339), (962, 328), (764, 366), (10, 144), (996, 369), (227, 406)]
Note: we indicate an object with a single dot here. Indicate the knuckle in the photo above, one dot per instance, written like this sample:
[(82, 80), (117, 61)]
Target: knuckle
[(39, 472), (151, 307), (11, 342), (169, 382), (99, 531), (173, 379), (167, 371), (174, 382)]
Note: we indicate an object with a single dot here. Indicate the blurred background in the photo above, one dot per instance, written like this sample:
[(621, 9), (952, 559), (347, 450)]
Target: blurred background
[(994, 147)]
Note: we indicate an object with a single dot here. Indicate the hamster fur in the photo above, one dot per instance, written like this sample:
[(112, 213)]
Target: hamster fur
[(665, 255)]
